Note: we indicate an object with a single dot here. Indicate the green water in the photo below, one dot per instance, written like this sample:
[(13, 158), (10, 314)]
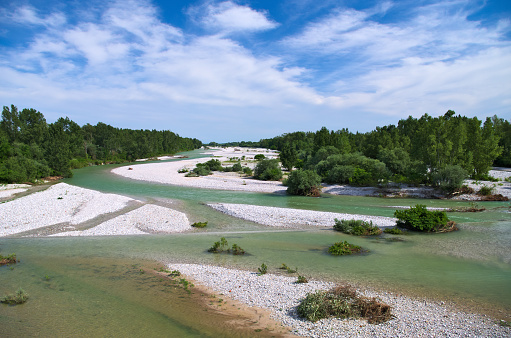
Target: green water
[(97, 280)]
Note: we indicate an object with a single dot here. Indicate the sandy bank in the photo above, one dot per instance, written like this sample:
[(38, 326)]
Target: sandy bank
[(286, 217), (281, 295), (167, 173)]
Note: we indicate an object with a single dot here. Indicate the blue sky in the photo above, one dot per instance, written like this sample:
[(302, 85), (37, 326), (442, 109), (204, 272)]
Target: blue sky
[(246, 70)]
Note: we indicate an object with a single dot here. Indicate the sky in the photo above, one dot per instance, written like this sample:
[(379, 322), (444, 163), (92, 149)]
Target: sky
[(246, 70)]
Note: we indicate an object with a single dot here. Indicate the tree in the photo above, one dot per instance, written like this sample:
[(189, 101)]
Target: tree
[(304, 182), (288, 156), (268, 170)]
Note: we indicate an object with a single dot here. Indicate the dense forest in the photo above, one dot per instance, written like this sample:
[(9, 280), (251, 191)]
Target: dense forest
[(439, 151), (30, 148), (427, 150)]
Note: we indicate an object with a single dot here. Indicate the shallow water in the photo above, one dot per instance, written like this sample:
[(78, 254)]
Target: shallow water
[(471, 266)]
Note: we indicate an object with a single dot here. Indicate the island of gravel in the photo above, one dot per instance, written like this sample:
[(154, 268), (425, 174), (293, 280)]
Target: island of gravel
[(67, 210), (168, 173)]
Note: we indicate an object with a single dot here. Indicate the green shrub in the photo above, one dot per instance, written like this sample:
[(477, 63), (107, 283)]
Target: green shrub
[(19, 297), (301, 279), (200, 170), (356, 227), (485, 190), (394, 231), (340, 174), (237, 167), (10, 259), (237, 250), (263, 269), (259, 157), (304, 183), (344, 248), (418, 218), (268, 170), (247, 171), (449, 178), (343, 302), (199, 224), (222, 246), (361, 178), (213, 165)]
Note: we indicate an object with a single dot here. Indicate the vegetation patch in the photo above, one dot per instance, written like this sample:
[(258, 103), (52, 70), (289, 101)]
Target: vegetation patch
[(263, 269), (394, 231), (10, 259), (356, 227), (344, 248), (199, 224), (304, 183), (418, 218), (343, 302), (223, 247), (301, 280), (19, 297)]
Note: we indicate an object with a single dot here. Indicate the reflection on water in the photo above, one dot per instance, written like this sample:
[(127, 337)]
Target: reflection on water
[(94, 288)]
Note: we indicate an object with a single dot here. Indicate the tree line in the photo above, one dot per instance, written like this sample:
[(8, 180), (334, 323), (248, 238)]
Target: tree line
[(30, 148), (439, 151)]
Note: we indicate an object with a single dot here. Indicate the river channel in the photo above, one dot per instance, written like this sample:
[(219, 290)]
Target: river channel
[(106, 286)]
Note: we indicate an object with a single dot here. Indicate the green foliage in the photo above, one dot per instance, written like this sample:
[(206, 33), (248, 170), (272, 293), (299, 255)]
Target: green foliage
[(10, 259), (304, 183), (344, 248), (450, 178), (486, 190), (19, 297), (268, 170), (343, 302), (418, 218), (31, 149), (340, 174), (301, 279), (263, 269), (394, 231), (223, 247), (199, 224), (247, 171), (259, 157), (356, 227)]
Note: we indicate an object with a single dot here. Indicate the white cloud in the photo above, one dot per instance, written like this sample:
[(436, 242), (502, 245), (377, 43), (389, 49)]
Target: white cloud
[(130, 50), (28, 15), (228, 17), (475, 84)]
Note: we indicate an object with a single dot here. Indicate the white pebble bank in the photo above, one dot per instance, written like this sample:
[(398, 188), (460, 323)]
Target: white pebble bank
[(8, 190), (58, 204), (149, 218), (281, 295), (287, 217)]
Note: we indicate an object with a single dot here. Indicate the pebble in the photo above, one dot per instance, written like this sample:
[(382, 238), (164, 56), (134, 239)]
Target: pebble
[(281, 295), (287, 217)]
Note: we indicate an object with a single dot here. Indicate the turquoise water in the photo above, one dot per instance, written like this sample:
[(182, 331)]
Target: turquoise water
[(471, 266)]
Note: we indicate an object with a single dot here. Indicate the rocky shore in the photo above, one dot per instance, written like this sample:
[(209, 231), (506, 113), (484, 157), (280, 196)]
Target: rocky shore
[(281, 295)]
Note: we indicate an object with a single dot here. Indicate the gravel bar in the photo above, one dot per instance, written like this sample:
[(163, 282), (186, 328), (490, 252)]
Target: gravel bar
[(60, 203), (147, 219), (294, 218), (281, 295)]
